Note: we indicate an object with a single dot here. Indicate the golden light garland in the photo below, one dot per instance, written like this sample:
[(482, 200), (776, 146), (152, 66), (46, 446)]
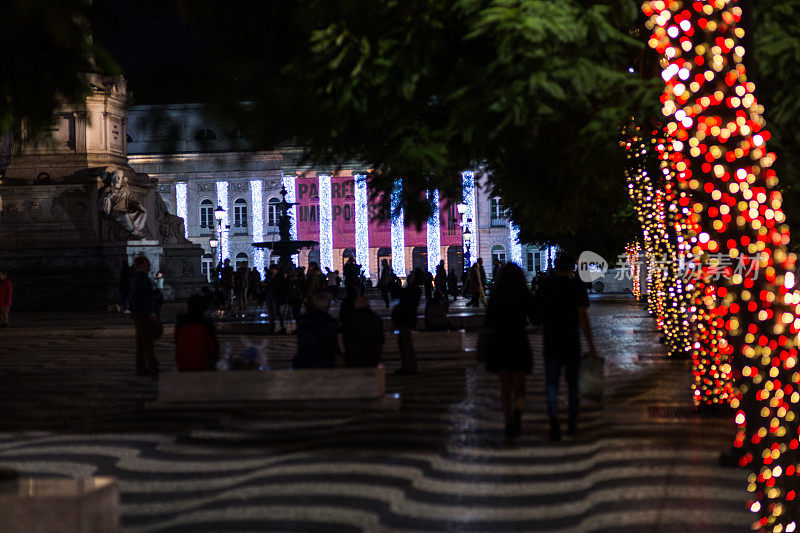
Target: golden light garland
[(712, 380), (666, 294), (720, 156), (633, 251)]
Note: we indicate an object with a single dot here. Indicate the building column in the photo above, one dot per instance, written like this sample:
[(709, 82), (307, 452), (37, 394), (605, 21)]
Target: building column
[(398, 232), (256, 199), (362, 223), (434, 237)]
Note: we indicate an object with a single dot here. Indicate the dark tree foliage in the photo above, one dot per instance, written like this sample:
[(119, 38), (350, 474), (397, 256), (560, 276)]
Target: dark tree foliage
[(775, 67), (420, 90), (46, 46)]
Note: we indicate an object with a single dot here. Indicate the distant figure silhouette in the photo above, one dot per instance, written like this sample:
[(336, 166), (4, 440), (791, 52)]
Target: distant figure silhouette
[(6, 292)]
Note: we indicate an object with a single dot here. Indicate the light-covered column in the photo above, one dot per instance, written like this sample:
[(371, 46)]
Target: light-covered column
[(434, 234), (182, 205), (288, 181), (256, 187), (514, 247), (398, 232), (362, 222), (470, 216), (325, 223), (222, 201)]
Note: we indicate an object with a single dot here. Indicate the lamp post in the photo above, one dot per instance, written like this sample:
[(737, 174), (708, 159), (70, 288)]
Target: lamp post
[(466, 242), (219, 214), (213, 243), (465, 235)]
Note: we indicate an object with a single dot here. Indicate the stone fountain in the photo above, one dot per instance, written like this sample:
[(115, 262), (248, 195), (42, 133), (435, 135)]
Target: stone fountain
[(285, 247)]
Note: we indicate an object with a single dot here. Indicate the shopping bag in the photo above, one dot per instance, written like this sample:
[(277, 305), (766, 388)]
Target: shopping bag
[(590, 381)]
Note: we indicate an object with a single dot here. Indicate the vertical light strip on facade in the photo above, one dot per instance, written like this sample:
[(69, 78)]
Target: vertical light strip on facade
[(398, 232), (258, 222), (289, 185), (434, 235), (325, 223), (222, 201), (470, 216), (182, 205), (514, 244), (362, 222)]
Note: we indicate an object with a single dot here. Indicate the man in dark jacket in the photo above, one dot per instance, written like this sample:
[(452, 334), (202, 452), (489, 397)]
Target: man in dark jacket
[(143, 310), (362, 336), (562, 302), (317, 343)]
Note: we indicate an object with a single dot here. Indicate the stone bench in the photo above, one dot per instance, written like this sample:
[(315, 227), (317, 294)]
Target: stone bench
[(37, 505), (345, 388)]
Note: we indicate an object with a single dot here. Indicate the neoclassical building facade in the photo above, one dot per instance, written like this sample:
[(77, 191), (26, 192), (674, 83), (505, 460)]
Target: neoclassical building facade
[(202, 163)]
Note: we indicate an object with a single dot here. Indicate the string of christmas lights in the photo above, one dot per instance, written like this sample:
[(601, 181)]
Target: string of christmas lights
[(711, 370), (665, 292), (633, 250), (720, 156)]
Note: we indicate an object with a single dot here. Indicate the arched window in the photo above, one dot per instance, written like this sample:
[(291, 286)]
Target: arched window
[(128, 138), (241, 260), (207, 214), (455, 259), (205, 134), (348, 253), (240, 214), (499, 253), (497, 212), (206, 264), (272, 215), (419, 258)]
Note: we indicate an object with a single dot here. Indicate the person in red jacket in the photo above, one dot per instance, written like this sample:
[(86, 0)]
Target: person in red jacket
[(196, 345), (5, 299)]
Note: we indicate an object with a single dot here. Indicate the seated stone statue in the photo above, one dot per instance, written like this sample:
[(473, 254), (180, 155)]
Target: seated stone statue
[(118, 203)]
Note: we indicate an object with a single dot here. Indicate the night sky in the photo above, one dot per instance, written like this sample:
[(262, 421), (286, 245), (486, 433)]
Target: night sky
[(155, 50)]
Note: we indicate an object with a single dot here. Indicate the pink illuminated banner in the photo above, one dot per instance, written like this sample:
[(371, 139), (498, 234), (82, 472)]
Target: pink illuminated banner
[(343, 216)]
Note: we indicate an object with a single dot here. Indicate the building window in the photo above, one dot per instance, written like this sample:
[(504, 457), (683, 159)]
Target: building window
[(272, 215), (205, 135), (237, 134), (240, 214), (207, 214), (499, 253), (241, 260), (534, 261), (497, 211), (206, 264)]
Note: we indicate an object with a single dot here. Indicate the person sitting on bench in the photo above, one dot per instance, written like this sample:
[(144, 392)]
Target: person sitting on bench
[(436, 313), (362, 336), (317, 343), (196, 344)]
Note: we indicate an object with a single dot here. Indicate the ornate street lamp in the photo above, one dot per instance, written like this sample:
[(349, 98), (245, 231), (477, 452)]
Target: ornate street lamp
[(465, 236)]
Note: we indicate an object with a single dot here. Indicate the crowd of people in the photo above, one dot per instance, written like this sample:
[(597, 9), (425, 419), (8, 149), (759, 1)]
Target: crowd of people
[(558, 301)]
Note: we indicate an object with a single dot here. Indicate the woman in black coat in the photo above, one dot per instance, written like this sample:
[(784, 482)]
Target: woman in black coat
[(508, 352)]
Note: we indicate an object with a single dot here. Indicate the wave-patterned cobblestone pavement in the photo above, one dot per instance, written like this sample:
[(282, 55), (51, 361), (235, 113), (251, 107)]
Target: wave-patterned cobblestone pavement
[(641, 462)]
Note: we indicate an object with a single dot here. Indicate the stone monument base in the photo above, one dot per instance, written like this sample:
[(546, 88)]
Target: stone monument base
[(78, 277)]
